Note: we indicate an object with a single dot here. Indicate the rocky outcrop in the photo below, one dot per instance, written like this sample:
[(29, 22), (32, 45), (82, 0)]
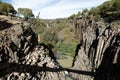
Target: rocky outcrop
[(22, 58), (37, 65), (98, 51), (106, 57), (82, 63), (88, 30)]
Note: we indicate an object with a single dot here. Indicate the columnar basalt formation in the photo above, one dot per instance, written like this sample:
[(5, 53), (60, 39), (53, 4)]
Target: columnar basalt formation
[(106, 58), (22, 58), (100, 45)]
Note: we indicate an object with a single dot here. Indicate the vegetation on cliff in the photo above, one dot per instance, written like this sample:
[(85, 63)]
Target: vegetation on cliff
[(6, 8), (60, 34), (109, 10)]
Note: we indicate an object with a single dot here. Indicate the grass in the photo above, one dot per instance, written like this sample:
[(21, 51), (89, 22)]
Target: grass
[(66, 62)]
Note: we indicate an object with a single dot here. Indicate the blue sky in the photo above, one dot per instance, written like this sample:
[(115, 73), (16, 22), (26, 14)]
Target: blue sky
[(50, 9)]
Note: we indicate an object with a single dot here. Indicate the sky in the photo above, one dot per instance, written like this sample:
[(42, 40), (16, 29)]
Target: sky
[(51, 9)]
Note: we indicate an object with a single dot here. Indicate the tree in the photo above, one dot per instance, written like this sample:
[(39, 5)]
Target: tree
[(6, 8), (72, 16), (85, 10), (78, 14), (26, 12), (116, 5), (95, 11), (1, 8), (10, 9), (105, 7), (108, 9)]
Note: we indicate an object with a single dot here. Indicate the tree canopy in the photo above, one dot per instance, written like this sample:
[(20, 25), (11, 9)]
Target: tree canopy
[(109, 9), (26, 12), (72, 16), (6, 8)]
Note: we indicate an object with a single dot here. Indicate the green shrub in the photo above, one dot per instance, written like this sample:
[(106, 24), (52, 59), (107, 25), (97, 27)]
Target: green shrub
[(66, 49), (97, 17)]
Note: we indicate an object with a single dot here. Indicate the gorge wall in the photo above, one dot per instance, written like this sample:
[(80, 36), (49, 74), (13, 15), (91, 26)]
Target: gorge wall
[(98, 51), (22, 58), (97, 55)]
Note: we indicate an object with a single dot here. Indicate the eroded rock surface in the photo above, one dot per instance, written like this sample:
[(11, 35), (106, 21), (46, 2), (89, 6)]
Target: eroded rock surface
[(22, 58), (98, 51)]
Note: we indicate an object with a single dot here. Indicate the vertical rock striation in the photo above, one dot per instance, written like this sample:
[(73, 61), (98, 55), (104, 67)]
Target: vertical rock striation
[(98, 51), (22, 58)]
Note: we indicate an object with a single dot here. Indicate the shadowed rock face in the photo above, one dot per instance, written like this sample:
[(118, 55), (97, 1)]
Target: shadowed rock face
[(15, 43), (107, 55), (22, 58), (98, 51)]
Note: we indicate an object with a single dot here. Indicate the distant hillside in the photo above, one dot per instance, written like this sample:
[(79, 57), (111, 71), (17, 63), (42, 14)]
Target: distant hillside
[(59, 33)]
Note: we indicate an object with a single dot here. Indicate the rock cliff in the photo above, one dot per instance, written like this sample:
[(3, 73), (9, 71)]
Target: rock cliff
[(98, 51), (22, 58)]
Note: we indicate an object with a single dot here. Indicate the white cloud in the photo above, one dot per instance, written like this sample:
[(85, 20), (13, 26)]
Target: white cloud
[(55, 8)]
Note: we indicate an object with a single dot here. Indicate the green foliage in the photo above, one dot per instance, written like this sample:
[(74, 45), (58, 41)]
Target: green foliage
[(38, 26), (6, 8), (72, 16), (26, 12), (97, 17), (78, 14), (95, 11), (116, 5), (67, 49), (58, 33), (85, 10), (49, 36), (60, 25), (109, 9), (105, 7)]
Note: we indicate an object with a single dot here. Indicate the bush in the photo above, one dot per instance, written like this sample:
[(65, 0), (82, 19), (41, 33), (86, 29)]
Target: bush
[(66, 49), (108, 10), (97, 17), (72, 16)]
